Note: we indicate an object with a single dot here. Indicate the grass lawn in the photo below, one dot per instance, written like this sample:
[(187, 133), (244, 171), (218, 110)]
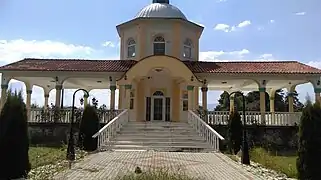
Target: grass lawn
[(39, 156), (160, 174), (284, 164)]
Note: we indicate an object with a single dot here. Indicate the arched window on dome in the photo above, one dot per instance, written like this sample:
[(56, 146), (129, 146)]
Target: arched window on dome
[(188, 44), (131, 48), (159, 45)]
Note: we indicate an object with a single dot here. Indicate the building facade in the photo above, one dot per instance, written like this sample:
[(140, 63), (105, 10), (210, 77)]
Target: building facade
[(159, 75)]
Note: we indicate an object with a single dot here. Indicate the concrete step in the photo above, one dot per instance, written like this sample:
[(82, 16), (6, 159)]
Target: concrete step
[(161, 148), (158, 133), (161, 143), (158, 138), (158, 127)]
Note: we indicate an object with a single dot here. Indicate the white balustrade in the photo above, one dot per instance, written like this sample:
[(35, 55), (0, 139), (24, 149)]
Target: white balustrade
[(204, 130), (254, 117), (108, 132), (39, 115)]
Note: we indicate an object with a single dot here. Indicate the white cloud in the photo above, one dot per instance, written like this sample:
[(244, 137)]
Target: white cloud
[(267, 57), (272, 21), (222, 27), (300, 13), (222, 55), (14, 50), (108, 44), (219, 1), (244, 24), (228, 28)]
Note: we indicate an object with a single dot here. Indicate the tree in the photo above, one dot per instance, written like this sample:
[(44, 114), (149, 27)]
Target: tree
[(14, 140), (235, 132), (224, 102), (89, 125), (309, 159), (297, 105)]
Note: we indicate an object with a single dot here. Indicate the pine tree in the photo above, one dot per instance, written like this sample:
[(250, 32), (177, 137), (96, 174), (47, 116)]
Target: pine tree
[(235, 129), (89, 125), (309, 159), (14, 140)]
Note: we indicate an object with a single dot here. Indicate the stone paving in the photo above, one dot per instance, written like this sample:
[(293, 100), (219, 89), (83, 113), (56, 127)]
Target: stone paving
[(109, 165)]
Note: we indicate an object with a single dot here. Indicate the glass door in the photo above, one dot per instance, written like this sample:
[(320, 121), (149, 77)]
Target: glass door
[(158, 109)]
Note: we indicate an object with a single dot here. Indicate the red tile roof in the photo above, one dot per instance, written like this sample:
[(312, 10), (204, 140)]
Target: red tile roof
[(284, 67)]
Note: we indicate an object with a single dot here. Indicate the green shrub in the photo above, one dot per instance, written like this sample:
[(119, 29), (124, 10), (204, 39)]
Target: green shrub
[(14, 140), (89, 125), (309, 159), (235, 129)]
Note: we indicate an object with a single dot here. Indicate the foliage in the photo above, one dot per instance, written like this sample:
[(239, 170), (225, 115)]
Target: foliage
[(40, 156), (235, 128), (309, 159), (283, 164), (157, 174), (253, 102), (14, 140), (89, 125)]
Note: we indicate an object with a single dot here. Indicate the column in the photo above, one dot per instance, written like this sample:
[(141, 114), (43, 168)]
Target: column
[(85, 100), (112, 96), (58, 94), (120, 97), (128, 88), (46, 101), (290, 100), (4, 88), (232, 103), (28, 103), (204, 97), (190, 97), (262, 103), (317, 92), (196, 98)]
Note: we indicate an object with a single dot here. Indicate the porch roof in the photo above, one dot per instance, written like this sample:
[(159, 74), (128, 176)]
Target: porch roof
[(266, 67)]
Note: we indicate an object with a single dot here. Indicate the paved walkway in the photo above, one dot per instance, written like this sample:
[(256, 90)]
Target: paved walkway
[(108, 165)]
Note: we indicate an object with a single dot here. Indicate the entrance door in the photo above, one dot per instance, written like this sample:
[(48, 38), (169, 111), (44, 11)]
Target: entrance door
[(158, 109), (158, 106)]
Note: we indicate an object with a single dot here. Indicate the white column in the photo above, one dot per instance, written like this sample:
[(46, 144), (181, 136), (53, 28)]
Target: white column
[(46, 104), (4, 88), (112, 96), (190, 97), (232, 103), (262, 103), (28, 103), (128, 88), (204, 97), (58, 94)]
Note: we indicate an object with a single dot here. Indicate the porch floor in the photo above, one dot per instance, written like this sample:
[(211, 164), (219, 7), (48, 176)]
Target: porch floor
[(109, 165)]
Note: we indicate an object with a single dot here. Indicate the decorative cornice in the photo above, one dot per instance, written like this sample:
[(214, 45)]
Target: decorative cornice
[(190, 88)]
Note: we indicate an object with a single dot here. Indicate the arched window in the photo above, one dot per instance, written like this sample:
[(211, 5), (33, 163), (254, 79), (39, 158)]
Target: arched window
[(131, 48), (158, 93), (188, 48), (159, 45)]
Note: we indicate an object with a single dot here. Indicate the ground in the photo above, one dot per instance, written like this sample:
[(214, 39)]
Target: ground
[(108, 165)]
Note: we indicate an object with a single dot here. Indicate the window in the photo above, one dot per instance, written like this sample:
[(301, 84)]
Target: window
[(159, 45), (131, 48), (188, 48), (132, 97), (185, 100)]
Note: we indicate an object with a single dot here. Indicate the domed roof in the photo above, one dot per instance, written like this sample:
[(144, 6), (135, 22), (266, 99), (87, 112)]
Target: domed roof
[(160, 9)]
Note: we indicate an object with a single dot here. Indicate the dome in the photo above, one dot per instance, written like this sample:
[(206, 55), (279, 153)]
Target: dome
[(160, 9)]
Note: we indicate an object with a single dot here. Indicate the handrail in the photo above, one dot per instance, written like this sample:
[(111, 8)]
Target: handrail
[(109, 131), (207, 126), (108, 124)]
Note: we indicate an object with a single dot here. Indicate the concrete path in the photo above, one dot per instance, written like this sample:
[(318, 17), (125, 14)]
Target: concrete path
[(108, 165)]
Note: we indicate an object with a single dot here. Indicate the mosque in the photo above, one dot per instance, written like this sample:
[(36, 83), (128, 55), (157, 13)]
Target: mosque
[(159, 75)]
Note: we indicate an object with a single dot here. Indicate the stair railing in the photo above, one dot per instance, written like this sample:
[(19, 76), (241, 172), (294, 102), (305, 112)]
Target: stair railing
[(204, 130), (109, 131)]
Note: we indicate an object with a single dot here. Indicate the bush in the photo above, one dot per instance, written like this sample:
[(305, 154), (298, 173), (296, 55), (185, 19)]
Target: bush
[(235, 129), (89, 125), (309, 159), (14, 140)]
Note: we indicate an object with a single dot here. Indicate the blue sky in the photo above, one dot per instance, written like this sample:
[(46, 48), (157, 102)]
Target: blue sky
[(234, 30)]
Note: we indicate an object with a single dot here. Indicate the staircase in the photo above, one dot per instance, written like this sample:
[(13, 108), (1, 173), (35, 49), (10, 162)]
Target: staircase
[(158, 136)]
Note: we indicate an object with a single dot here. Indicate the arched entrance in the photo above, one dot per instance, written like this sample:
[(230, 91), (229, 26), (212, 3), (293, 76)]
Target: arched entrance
[(158, 106)]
